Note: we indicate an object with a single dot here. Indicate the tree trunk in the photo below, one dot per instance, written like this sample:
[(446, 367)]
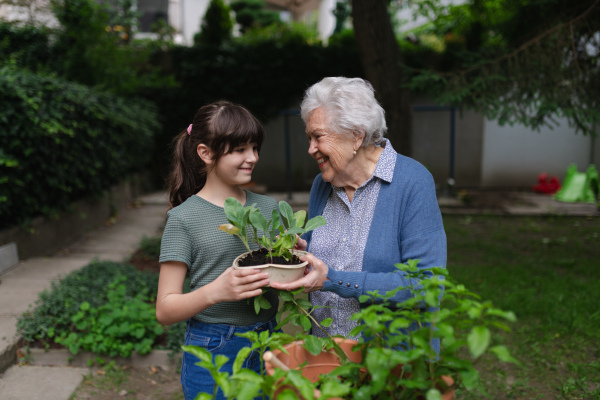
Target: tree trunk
[(380, 56)]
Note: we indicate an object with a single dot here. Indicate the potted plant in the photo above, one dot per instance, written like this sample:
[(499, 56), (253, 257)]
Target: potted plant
[(275, 238), (394, 357)]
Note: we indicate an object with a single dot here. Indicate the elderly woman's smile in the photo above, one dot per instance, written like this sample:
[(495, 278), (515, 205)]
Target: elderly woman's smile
[(334, 152)]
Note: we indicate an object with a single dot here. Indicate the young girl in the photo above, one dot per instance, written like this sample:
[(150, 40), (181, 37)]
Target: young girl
[(213, 157)]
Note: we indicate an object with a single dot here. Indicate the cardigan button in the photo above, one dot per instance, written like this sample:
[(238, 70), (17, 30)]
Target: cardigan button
[(356, 286), (340, 282), (348, 284)]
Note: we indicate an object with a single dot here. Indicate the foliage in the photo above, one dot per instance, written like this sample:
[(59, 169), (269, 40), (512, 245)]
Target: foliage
[(513, 60), (217, 25), (243, 383), (57, 305), (252, 13), (118, 327), (103, 308), (278, 235), (398, 360), (93, 47), (61, 142), (27, 46)]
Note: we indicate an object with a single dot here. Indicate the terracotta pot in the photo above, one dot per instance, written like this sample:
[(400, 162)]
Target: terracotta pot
[(322, 364), (315, 365), (280, 273)]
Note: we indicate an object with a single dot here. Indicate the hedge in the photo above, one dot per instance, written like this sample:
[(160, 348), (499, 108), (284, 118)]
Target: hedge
[(60, 142)]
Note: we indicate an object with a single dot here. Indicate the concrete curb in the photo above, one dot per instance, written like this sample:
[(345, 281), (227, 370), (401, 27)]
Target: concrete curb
[(64, 358)]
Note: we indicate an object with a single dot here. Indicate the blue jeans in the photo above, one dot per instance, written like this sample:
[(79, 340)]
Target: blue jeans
[(218, 339)]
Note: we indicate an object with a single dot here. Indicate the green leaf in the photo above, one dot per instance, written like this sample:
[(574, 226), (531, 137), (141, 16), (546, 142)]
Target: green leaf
[(220, 360), (315, 223), (478, 340), (313, 344), (470, 377), (259, 221), (503, 354), (240, 358), (433, 394), (287, 213), (229, 228), (327, 322), (299, 218), (305, 322), (199, 352), (286, 296)]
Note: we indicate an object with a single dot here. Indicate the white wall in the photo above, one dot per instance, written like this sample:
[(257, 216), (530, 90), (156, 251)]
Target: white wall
[(327, 20), (516, 155), (185, 16)]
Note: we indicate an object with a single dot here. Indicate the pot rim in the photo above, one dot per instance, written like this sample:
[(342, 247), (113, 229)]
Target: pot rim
[(281, 266)]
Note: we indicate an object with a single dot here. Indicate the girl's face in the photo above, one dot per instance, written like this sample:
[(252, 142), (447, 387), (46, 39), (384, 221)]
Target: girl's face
[(235, 167)]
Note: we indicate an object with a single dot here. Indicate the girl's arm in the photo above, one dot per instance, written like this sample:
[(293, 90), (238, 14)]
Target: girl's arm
[(172, 305)]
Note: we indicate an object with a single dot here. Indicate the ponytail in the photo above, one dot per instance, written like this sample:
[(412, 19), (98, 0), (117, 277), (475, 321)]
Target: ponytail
[(188, 172)]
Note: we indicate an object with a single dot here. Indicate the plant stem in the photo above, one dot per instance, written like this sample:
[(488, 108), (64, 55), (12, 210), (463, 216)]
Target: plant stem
[(341, 353)]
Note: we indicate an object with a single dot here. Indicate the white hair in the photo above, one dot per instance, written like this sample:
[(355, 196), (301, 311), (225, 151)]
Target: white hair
[(349, 105)]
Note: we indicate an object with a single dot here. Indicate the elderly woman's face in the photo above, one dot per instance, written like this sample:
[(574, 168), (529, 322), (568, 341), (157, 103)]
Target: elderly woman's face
[(333, 151)]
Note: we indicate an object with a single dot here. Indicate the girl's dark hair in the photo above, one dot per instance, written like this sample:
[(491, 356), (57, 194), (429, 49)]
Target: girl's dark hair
[(220, 126)]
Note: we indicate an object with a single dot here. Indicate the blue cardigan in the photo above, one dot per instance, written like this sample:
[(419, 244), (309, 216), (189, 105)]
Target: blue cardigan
[(407, 224)]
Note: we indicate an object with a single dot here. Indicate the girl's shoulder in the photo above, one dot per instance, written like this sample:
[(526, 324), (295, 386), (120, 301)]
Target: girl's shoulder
[(192, 205)]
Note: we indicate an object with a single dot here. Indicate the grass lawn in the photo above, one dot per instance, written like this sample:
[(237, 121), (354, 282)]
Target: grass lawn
[(546, 270)]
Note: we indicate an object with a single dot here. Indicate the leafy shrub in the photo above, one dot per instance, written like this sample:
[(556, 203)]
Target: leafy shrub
[(217, 25), (109, 308), (28, 45), (56, 306), (60, 142), (118, 327)]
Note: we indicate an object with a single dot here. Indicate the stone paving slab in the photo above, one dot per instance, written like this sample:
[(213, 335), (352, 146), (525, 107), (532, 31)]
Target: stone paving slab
[(64, 358), (40, 383)]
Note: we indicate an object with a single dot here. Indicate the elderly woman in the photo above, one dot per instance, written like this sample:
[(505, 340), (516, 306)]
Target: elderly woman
[(381, 207)]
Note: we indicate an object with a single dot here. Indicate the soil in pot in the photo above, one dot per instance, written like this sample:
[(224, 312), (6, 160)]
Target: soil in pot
[(261, 256)]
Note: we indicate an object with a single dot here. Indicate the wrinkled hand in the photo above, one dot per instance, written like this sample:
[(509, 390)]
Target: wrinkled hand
[(313, 279), (300, 244), (238, 284)]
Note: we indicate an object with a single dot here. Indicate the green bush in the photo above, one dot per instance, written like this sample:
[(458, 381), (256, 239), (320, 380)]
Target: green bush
[(119, 327), (60, 142), (28, 46), (105, 307), (216, 26)]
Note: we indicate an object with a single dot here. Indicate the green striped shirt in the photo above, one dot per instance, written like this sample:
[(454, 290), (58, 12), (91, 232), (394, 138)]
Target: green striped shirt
[(192, 236)]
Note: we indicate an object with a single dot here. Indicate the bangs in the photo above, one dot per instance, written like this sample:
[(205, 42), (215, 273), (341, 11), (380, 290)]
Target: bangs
[(235, 126)]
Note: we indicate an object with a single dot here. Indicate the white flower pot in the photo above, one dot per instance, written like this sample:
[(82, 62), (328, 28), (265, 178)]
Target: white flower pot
[(280, 273)]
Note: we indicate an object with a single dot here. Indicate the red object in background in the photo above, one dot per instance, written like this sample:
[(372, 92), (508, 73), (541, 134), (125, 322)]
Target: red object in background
[(545, 185)]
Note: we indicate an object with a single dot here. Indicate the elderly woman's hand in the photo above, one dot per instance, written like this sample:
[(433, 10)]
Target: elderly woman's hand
[(312, 281), (300, 244)]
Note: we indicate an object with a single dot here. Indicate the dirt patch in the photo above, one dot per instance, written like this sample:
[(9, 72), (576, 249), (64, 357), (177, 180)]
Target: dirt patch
[(144, 263), (130, 383)]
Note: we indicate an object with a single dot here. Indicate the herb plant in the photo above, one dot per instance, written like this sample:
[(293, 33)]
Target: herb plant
[(398, 360), (278, 235)]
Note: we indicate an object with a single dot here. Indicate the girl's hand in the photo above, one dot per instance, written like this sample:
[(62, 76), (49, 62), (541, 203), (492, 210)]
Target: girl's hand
[(300, 244), (312, 281), (239, 284)]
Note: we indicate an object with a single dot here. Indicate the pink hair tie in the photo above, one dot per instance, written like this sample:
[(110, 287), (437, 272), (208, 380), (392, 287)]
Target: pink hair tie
[(190, 129)]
